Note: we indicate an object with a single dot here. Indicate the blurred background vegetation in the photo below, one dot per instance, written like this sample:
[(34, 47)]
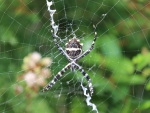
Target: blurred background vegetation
[(119, 65)]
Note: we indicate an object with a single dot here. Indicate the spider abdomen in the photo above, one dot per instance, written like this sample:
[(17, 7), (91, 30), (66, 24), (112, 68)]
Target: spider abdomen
[(73, 52), (73, 48)]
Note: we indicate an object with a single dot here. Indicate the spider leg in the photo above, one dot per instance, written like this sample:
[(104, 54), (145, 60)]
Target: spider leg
[(58, 46), (54, 28), (57, 77), (86, 76), (92, 46)]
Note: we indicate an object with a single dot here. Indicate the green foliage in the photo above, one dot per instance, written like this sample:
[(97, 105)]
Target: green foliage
[(120, 59)]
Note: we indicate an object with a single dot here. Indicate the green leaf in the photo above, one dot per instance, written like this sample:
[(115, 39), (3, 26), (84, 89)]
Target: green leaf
[(120, 92), (109, 46), (93, 58), (126, 108), (145, 105), (148, 86), (40, 105), (120, 66), (7, 36), (141, 60), (129, 79), (77, 106)]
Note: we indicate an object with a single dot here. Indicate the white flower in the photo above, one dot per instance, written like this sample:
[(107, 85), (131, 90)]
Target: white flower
[(40, 81), (35, 57), (46, 61), (45, 72), (30, 78)]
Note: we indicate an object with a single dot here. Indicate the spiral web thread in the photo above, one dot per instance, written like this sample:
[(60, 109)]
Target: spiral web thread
[(26, 36)]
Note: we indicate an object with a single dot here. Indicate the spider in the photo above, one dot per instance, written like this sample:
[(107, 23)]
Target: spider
[(73, 53)]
